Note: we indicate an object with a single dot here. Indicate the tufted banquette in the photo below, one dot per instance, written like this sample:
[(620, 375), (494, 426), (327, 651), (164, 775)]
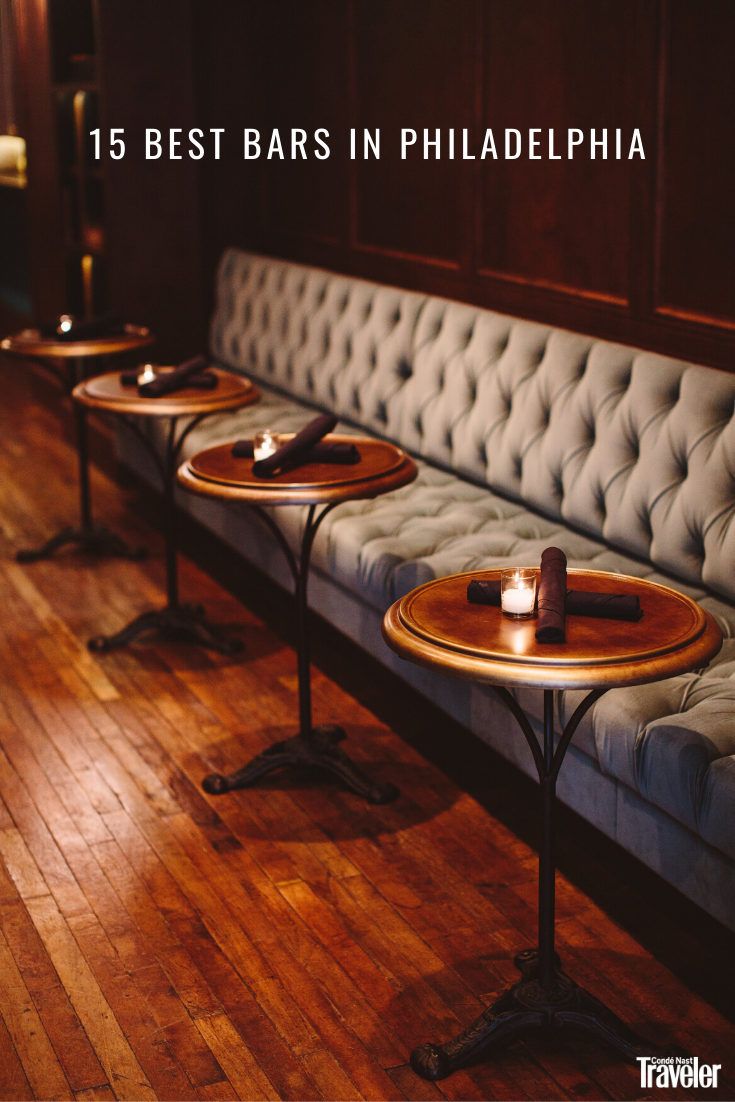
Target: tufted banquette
[(526, 435)]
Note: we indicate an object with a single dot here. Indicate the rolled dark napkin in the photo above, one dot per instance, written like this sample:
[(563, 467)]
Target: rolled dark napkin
[(206, 380), (319, 453), (292, 453), (82, 329), (171, 381), (552, 592), (606, 606)]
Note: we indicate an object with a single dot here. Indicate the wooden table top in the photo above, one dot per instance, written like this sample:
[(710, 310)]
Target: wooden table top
[(29, 342), (106, 392), (382, 467), (436, 626)]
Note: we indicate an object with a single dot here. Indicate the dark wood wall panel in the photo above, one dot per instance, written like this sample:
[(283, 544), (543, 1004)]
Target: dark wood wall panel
[(413, 69), (565, 223), (638, 251), (696, 259), (154, 256), (231, 68), (308, 83)]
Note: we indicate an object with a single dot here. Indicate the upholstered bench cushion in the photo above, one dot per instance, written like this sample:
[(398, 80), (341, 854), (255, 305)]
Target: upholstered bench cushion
[(673, 742), (633, 448)]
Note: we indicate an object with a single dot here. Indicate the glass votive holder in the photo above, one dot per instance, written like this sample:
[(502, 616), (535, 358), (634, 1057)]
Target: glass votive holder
[(146, 375), (518, 592), (265, 443)]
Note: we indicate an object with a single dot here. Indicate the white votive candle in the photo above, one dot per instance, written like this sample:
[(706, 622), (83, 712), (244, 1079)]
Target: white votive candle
[(518, 592), (518, 601), (147, 375), (265, 443)]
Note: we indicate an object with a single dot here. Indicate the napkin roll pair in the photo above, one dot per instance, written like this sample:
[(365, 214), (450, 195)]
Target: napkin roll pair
[(82, 329), (191, 373), (558, 602), (301, 449)]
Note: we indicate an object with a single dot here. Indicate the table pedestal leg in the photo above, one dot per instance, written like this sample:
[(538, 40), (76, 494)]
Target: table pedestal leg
[(94, 539), (182, 623), (312, 746), (544, 998)]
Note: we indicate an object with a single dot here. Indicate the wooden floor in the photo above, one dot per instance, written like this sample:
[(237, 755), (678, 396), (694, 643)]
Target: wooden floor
[(287, 942)]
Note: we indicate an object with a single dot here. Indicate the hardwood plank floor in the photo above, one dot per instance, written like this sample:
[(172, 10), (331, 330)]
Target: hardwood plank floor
[(288, 942)]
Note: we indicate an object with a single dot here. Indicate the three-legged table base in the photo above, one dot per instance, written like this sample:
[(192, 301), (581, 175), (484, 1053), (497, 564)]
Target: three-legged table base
[(320, 749), (525, 1007), (93, 539), (185, 623)]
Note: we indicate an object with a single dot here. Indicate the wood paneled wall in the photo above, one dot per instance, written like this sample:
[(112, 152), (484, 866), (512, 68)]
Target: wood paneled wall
[(640, 251)]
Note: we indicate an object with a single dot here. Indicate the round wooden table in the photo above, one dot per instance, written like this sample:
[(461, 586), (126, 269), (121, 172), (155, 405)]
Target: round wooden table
[(320, 486), (436, 626), (71, 362), (107, 394)]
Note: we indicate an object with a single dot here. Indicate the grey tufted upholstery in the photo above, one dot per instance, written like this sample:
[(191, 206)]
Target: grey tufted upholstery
[(633, 448), (624, 458)]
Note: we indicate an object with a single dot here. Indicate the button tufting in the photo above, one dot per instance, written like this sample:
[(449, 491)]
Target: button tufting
[(381, 413), (404, 369)]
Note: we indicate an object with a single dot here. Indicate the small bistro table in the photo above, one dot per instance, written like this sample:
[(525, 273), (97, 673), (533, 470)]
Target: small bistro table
[(106, 394), (437, 627), (319, 486), (72, 361)]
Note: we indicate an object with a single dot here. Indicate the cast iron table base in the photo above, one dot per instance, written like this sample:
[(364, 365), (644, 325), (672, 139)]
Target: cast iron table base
[(318, 750), (183, 623), (93, 539), (312, 746), (544, 998), (527, 1007)]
